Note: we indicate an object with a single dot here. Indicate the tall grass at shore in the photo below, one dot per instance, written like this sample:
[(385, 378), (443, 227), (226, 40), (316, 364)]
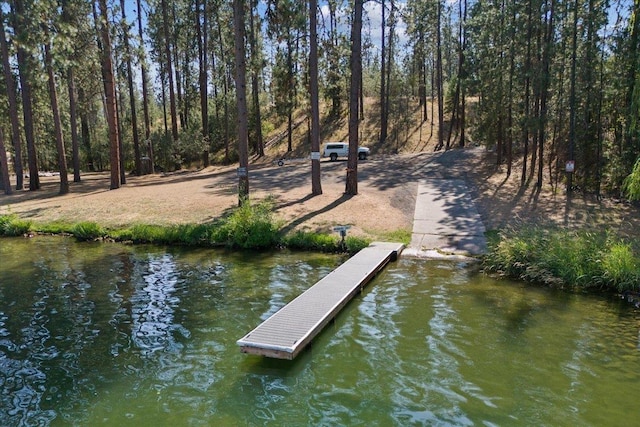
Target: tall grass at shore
[(11, 225), (251, 226), (564, 258)]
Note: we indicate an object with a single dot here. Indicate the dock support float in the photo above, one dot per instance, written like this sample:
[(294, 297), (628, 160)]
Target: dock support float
[(287, 332)]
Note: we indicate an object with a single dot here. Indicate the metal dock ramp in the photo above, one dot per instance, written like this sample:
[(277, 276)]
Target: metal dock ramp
[(288, 331)]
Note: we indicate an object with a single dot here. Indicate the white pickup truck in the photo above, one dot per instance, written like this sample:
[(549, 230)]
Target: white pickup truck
[(333, 150)]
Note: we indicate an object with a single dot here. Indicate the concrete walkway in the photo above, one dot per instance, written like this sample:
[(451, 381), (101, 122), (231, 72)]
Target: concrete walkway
[(446, 221)]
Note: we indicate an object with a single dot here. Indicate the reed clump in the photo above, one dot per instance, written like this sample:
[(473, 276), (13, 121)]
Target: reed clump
[(564, 258)]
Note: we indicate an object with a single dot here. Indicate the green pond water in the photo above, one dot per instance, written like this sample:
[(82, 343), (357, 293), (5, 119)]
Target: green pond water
[(107, 334)]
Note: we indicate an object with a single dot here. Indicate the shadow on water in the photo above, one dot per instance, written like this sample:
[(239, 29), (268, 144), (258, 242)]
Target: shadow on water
[(258, 365)]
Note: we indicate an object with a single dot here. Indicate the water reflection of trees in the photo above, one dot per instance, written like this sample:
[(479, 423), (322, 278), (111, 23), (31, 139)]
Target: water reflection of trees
[(153, 303), (41, 338)]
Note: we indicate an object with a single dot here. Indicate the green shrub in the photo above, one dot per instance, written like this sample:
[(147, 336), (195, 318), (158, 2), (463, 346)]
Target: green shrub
[(11, 225), (192, 234), (250, 226), (4, 220), (312, 241), (620, 268), (631, 184), (564, 258), (88, 231)]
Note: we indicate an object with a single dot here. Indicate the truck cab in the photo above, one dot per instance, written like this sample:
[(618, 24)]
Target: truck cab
[(333, 150)]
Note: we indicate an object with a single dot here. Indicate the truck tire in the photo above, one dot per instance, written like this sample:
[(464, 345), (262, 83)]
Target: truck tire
[(333, 157), (362, 156)]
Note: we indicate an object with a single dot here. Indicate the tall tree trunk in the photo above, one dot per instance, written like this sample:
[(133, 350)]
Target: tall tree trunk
[(333, 60), (62, 159), (527, 85), (390, 55), (572, 96), (508, 149), (383, 77), (25, 66), (462, 74), (546, 60), (132, 99), (433, 93), (201, 34), (168, 63), (291, 93), (73, 123), (631, 146), (119, 107), (13, 109), (110, 97), (454, 112), (351, 187), (511, 78), (184, 99), (422, 77), (4, 166), (559, 118), (227, 125), (177, 77), (145, 94), (241, 97), (84, 131), (255, 83), (599, 120), (316, 185), (225, 89), (71, 90), (361, 102), (163, 83), (439, 82)]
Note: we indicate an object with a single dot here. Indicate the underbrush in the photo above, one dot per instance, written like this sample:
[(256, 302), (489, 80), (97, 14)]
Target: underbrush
[(564, 258)]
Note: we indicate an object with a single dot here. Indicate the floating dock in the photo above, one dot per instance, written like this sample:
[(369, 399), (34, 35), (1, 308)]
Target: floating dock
[(288, 331)]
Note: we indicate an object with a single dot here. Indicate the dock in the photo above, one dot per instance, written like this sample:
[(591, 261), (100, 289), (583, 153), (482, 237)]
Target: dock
[(287, 332)]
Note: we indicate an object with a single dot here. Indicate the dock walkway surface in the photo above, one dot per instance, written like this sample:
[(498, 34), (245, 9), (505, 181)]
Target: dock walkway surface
[(446, 221), (291, 329)]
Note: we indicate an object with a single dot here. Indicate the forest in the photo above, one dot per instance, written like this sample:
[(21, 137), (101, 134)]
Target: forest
[(135, 86)]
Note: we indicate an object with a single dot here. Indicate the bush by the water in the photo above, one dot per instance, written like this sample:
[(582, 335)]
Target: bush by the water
[(250, 226), (313, 241), (562, 258), (88, 231), (324, 242), (11, 225)]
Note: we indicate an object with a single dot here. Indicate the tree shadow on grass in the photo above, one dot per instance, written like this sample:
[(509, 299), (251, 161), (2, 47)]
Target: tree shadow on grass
[(299, 220)]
